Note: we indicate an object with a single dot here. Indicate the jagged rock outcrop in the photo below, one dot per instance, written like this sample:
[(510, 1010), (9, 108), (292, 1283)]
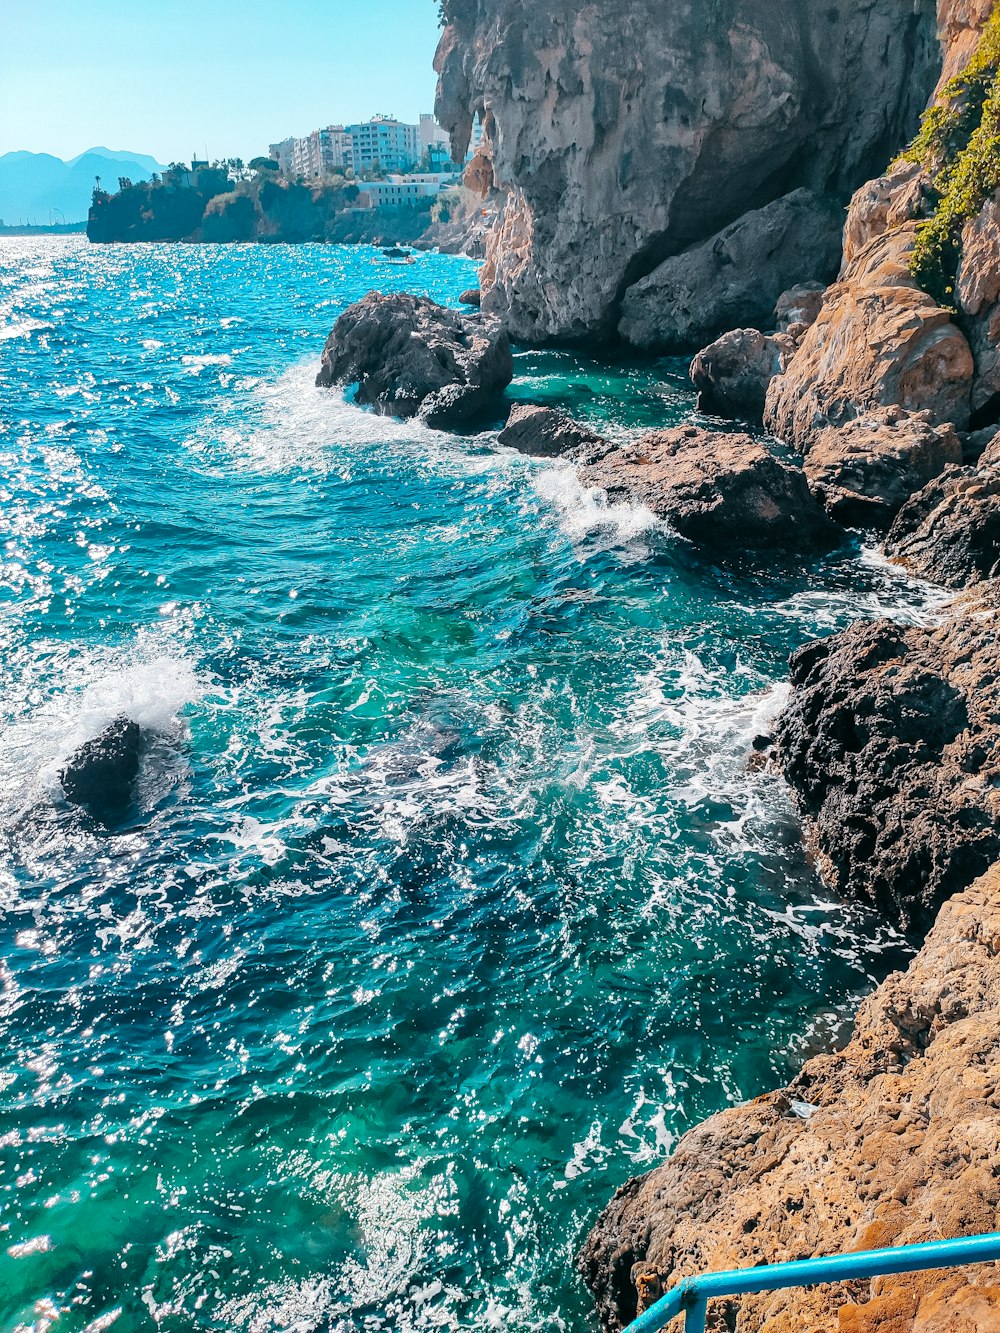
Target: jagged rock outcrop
[(893, 1140), (878, 341), (891, 742), (950, 531), (411, 357), (866, 470), (977, 294), (545, 432), (732, 374), (101, 774), (623, 133), (734, 279), (716, 489), (799, 307)]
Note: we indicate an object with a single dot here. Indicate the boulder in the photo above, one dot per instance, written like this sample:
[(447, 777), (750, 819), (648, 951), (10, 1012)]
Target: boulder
[(101, 775), (732, 374), (733, 279), (546, 432), (864, 471), (799, 307), (714, 489), (950, 531), (878, 341), (471, 296), (891, 743), (411, 357), (891, 1141)]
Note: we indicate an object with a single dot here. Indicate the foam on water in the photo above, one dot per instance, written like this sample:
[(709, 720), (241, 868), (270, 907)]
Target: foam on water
[(451, 898)]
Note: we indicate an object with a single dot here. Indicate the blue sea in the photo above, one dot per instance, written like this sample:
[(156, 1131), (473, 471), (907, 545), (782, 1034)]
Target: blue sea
[(451, 896)]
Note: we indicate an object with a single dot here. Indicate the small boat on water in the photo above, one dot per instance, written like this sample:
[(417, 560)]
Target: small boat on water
[(394, 252)]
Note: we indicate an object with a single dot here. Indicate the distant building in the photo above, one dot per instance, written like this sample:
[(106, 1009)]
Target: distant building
[(282, 154), (432, 135), (404, 191), (385, 143)]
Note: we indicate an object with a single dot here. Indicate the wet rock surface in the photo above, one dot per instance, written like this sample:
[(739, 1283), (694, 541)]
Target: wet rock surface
[(866, 470), (893, 1140), (716, 489), (546, 432), (891, 742), (950, 531), (412, 357), (101, 775)]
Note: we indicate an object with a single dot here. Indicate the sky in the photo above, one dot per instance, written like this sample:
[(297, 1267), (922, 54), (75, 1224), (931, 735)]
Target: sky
[(172, 77)]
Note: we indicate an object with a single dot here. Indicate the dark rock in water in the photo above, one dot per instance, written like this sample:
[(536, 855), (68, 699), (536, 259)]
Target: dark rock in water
[(546, 432), (715, 489), (413, 358), (101, 775), (470, 297), (950, 531), (734, 279), (864, 471), (732, 374), (891, 739)]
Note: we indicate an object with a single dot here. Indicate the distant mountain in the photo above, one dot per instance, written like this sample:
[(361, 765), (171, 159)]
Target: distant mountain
[(36, 187)]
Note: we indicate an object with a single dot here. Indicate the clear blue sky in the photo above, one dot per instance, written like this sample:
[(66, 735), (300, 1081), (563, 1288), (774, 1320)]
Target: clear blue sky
[(167, 77)]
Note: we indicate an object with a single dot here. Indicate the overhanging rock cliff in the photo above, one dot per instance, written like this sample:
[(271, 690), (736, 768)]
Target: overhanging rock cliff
[(625, 132)]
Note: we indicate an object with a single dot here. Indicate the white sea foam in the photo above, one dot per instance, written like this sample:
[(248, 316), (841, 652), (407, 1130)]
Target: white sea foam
[(582, 509), (80, 694)]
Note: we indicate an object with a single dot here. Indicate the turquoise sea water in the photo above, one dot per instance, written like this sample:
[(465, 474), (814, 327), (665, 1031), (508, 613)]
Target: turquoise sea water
[(449, 899)]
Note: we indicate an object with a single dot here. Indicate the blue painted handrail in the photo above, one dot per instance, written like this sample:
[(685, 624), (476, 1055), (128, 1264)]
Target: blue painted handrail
[(691, 1296)]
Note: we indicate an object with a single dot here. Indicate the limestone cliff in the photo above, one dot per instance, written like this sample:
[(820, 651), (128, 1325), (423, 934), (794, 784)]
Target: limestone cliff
[(626, 131)]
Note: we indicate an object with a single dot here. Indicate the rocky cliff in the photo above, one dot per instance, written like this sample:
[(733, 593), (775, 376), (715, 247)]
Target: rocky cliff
[(626, 132)]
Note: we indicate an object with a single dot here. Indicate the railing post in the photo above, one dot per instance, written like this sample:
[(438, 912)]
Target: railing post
[(694, 1320)]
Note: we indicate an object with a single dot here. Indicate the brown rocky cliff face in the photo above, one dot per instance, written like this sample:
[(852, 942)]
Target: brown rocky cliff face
[(625, 131), (893, 1140)]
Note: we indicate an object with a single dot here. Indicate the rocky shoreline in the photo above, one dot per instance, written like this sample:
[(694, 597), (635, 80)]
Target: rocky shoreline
[(884, 377)]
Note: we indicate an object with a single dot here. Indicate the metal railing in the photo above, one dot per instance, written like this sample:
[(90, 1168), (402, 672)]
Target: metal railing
[(691, 1296)]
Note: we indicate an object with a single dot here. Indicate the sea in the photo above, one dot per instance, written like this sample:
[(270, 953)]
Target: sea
[(453, 891)]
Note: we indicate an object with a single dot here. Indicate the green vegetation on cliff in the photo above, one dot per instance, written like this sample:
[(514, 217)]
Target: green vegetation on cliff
[(959, 146)]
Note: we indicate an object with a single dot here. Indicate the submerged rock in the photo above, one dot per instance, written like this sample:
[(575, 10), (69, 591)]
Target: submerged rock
[(411, 357), (891, 742), (734, 279), (865, 470), (715, 489), (546, 432), (732, 374), (950, 531), (891, 1141), (101, 775)]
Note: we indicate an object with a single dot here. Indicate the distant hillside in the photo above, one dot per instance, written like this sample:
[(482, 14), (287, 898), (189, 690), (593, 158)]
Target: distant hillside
[(36, 187)]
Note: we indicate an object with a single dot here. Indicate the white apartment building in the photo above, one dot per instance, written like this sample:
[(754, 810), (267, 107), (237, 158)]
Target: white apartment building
[(404, 191)]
